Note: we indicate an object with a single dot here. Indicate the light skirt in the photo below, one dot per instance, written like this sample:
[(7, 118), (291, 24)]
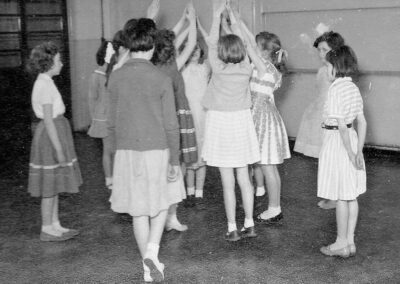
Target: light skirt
[(176, 189), (140, 182), (338, 179), (230, 139)]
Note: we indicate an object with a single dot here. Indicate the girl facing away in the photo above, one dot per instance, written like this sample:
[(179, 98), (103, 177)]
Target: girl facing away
[(98, 107), (309, 136), (53, 167), (166, 60), (143, 121), (230, 141), (196, 74), (271, 131), (341, 167)]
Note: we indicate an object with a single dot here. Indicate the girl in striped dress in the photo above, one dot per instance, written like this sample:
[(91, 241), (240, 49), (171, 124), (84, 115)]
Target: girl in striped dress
[(53, 166), (271, 131), (341, 168)]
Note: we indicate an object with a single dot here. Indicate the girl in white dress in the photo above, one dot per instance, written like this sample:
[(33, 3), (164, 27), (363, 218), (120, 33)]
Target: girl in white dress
[(309, 136), (341, 169)]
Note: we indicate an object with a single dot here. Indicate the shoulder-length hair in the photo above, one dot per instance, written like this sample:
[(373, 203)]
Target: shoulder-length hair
[(231, 49), (344, 61), (41, 58)]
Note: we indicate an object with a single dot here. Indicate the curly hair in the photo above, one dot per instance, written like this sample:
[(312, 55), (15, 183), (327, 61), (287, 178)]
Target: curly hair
[(41, 58), (164, 51)]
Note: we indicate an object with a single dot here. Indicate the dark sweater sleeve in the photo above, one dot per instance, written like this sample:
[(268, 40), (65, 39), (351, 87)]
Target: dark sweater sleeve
[(112, 113), (170, 121)]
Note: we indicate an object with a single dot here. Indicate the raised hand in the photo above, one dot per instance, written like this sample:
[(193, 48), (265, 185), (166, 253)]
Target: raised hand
[(153, 9)]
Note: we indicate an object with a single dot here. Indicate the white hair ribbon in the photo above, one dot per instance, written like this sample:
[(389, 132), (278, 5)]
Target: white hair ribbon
[(281, 52), (109, 53)]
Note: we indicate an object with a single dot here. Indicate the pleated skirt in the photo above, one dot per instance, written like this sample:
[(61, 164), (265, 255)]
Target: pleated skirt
[(140, 185), (338, 179), (46, 177), (230, 139), (271, 131)]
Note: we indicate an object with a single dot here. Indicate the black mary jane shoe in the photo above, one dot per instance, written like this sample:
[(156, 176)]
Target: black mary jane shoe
[(249, 232), (270, 221), (233, 236)]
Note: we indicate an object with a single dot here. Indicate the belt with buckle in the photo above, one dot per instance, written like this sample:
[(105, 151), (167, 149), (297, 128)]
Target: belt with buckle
[(334, 127)]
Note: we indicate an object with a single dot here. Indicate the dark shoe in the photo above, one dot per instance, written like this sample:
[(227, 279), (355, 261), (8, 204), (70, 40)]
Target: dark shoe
[(189, 202), (199, 202), (270, 221), (45, 237), (71, 233), (248, 232), (343, 252), (233, 236)]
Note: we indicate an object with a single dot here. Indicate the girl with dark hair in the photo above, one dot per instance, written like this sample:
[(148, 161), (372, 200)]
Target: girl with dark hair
[(166, 60), (53, 166), (230, 141), (309, 136), (98, 106), (341, 166)]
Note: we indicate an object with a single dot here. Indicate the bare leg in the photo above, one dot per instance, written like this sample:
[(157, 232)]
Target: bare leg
[(352, 222), (228, 184), (273, 182), (172, 222), (259, 176), (246, 190), (342, 217), (141, 231), (200, 177), (189, 178), (47, 210)]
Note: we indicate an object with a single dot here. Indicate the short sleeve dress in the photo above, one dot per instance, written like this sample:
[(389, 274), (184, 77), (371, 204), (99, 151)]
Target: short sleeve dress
[(338, 179)]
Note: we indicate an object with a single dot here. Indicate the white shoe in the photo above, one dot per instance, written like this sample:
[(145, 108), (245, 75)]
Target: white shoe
[(153, 270)]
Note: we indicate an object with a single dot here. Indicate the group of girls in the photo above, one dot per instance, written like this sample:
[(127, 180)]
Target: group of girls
[(152, 117)]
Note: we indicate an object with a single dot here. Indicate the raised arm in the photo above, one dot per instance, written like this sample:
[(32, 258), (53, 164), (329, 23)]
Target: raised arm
[(179, 25), (192, 38), (153, 10), (248, 34), (237, 29), (203, 32), (181, 38)]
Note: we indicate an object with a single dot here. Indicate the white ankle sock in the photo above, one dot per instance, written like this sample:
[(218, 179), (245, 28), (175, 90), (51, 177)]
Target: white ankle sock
[(260, 190), (60, 228), (109, 180), (232, 227), (49, 229), (199, 193), (190, 190), (248, 223), (152, 251)]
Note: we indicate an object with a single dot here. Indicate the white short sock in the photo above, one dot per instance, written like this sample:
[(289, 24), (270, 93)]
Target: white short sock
[(60, 228), (152, 251), (199, 193), (109, 180), (271, 212), (190, 190), (232, 227), (260, 190), (248, 223)]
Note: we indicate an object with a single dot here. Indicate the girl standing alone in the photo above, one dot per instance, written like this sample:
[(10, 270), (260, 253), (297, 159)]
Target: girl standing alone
[(53, 166), (341, 168)]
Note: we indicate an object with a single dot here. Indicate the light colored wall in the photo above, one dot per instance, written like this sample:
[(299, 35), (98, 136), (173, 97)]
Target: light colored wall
[(364, 34), (371, 28)]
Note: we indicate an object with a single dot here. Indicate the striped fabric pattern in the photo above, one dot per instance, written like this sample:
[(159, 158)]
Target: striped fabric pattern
[(270, 129), (230, 139), (338, 179)]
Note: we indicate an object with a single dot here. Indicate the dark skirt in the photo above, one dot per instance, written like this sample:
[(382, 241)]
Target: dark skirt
[(46, 177)]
